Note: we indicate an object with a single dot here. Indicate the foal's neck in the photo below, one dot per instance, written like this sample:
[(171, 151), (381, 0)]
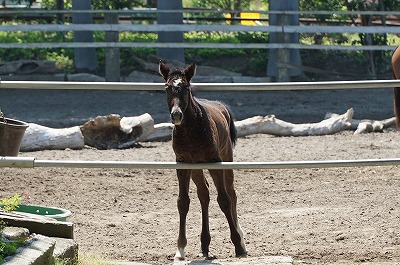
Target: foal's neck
[(193, 110)]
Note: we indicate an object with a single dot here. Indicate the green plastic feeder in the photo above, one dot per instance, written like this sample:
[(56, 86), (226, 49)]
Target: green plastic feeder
[(53, 212)]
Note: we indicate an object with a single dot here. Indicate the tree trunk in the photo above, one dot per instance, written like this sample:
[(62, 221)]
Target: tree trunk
[(85, 58)]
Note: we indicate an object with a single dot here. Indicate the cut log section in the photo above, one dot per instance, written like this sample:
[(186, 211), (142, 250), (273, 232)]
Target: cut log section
[(39, 137), (114, 132)]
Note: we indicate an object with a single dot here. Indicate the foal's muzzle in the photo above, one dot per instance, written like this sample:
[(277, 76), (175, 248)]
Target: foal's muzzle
[(176, 115)]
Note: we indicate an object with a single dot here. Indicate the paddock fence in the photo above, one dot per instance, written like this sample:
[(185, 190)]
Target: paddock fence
[(32, 162), (193, 26), (324, 85), (144, 20)]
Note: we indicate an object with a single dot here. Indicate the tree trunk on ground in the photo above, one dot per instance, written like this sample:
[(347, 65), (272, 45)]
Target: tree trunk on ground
[(271, 125), (39, 137), (365, 126), (102, 132), (114, 132)]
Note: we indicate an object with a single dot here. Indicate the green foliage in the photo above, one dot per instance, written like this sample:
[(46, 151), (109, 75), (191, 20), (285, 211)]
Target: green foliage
[(221, 4), (115, 5), (99, 4), (11, 204), (9, 248), (63, 62), (314, 5)]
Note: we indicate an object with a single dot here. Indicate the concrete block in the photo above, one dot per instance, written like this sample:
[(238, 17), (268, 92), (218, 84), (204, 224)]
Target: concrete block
[(37, 251), (15, 233), (67, 250)]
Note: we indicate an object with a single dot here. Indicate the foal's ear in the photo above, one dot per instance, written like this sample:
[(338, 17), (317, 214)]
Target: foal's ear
[(164, 70), (190, 71)]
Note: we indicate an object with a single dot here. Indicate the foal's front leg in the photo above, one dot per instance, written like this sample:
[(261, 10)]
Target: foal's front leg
[(183, 208)]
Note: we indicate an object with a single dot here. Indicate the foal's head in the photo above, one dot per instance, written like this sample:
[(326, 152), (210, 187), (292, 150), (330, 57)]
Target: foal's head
[(177, 86)]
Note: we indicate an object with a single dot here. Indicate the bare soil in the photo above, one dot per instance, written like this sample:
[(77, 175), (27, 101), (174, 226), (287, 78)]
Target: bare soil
[(349, 215)]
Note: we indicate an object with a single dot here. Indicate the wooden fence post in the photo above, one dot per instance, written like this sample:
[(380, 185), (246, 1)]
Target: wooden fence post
[(282, 54), (277, 57), (112, 63)]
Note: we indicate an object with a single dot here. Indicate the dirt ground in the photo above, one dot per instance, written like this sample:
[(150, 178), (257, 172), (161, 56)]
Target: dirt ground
[(349, 215)]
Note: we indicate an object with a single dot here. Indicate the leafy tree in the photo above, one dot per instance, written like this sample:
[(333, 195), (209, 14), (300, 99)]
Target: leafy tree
[(366, 20)]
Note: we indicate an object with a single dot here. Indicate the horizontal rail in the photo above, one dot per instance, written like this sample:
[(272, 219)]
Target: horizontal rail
[(198, 11), (192, 45), (201, 86), (31, 162), (203, 28)]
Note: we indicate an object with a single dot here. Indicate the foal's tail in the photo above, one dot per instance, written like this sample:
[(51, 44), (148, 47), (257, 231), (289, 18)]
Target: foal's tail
[(396, 90), (232, 127)]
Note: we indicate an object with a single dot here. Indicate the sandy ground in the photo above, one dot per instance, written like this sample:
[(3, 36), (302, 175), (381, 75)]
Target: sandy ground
[(317, 216)]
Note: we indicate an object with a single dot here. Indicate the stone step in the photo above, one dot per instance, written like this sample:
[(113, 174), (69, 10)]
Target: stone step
[(37, 251), (40, 249)]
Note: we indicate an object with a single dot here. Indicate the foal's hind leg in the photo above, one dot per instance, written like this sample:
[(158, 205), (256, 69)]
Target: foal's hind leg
[(225, 203), (183, 208), (229, 184), (204, 197)]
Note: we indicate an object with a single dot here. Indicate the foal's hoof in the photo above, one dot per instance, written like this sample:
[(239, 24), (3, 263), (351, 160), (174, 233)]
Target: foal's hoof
[(206, 256), (241, 254), (179, 255)]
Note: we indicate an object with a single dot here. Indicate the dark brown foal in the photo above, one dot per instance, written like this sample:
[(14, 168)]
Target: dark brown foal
[(204, 132)]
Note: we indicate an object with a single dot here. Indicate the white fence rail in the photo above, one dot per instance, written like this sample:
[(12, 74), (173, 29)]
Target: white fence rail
[(201, 86), (31, 162)]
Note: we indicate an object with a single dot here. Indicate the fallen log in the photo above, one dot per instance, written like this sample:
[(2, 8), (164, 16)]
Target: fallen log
[(27, 67), (271, 125), (38, 137), (114, 132), (366, 125), (103, 132)]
